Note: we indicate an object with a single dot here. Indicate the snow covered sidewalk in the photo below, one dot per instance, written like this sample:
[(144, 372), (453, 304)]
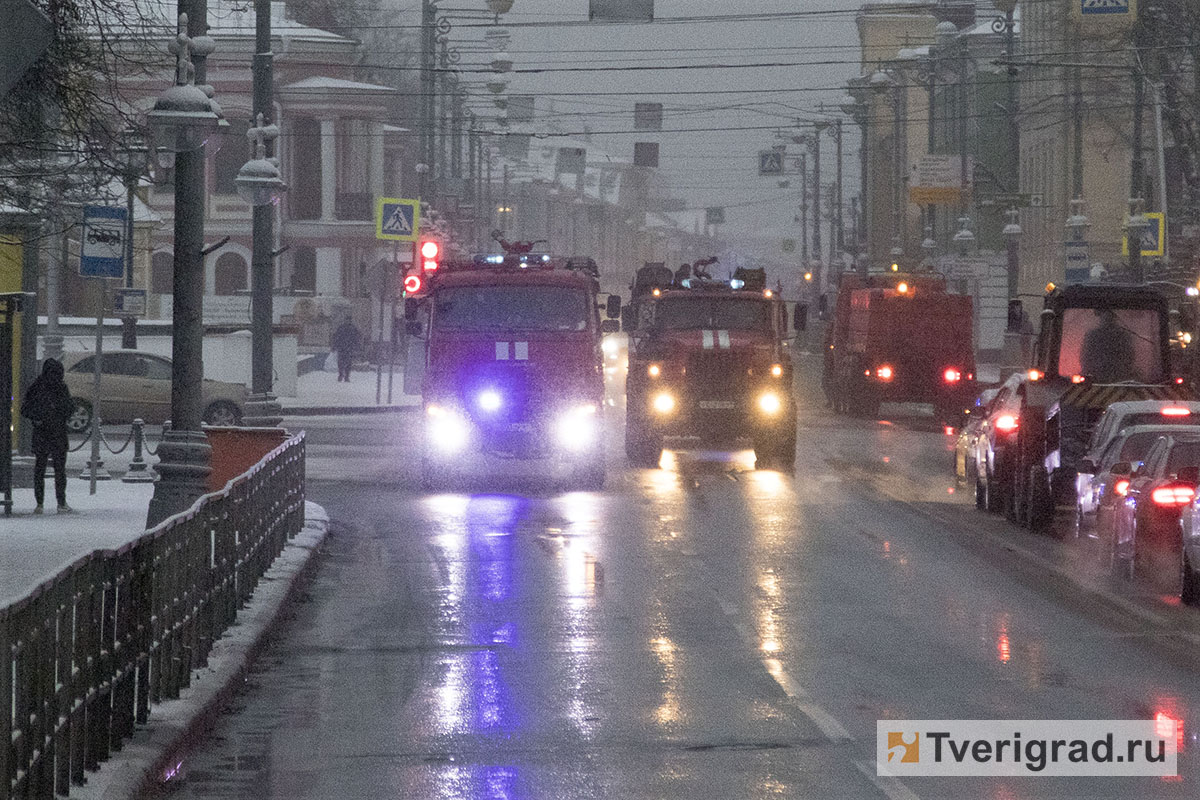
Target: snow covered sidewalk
[(320, 393)]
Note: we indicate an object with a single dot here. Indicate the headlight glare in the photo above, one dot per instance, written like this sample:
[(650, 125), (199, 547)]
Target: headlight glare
[(446, 431), (576, 428), (769, 403), (664, 403)]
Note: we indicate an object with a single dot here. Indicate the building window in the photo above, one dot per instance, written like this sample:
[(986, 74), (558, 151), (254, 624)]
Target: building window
[(230, 274), (234, 152), (304, 193), (304, 269), (162, 270), (354, 140)]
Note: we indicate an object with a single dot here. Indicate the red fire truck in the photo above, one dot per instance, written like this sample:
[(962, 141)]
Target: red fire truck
[(512, 364), (900, 337), (708, 361)]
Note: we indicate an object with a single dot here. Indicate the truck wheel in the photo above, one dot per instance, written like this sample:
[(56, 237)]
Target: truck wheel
[(1040, 505), (643, 447)]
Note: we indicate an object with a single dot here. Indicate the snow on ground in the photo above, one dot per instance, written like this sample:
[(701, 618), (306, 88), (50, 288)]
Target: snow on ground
[(321, 389), (34, 548)]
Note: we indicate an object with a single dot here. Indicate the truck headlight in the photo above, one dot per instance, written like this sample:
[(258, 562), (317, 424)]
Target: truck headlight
[(664, 403), (576, 429), (446, 429), (769, 403), (489, 400)]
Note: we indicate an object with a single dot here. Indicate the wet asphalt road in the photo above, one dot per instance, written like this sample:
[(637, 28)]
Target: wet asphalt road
[(700, 631)]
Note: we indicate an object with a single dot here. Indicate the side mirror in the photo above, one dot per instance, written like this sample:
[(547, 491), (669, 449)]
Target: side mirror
[(609, 326), (1088, 466), (628, 319), (612, 308), (1121, 468), (411, 307), (1190, 474), (800, 317), (413, 328)]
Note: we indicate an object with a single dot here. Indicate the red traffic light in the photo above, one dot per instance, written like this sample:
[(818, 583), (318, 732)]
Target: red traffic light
[(413, 284), (430, 249)]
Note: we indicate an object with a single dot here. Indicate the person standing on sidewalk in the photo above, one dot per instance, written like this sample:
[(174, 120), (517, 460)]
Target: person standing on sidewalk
[(345, 342), (48, 406)]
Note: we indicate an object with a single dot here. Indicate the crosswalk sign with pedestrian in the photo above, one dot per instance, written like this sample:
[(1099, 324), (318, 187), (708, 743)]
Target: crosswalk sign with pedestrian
[(397, 219)]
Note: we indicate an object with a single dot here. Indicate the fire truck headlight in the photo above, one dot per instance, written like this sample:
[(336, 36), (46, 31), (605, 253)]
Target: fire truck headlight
[(489, 400), (610, 346), (769, 403), (447, 430), (577, 428), (664, 403)]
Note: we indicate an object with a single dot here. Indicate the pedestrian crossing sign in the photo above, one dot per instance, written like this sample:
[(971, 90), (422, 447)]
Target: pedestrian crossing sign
[(397, 219)]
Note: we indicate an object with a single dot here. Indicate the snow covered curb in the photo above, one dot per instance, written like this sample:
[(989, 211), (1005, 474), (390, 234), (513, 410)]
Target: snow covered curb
[(156, 750)]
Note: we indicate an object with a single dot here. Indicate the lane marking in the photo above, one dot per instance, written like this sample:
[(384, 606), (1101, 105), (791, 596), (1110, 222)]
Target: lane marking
[(889, 785)]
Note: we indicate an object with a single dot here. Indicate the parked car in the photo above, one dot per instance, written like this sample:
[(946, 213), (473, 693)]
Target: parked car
[(1105, 483), (135, 384), (965, 458), (1147, 530)]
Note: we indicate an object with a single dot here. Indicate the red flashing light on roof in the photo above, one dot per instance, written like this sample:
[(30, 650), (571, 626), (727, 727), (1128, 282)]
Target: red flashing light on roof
[(1176, 411), (1007, 423), (430, 253)]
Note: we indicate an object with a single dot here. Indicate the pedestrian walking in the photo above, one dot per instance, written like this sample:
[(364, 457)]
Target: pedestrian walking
[(48, 406), (345, 341)]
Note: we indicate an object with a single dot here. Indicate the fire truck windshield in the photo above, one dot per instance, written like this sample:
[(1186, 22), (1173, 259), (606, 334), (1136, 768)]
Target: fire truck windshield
[(510, 308), (1110, 346), (725, 313)]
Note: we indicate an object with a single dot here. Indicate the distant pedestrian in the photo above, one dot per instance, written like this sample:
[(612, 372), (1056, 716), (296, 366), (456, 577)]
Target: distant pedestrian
[(346, 341), (48, 406)]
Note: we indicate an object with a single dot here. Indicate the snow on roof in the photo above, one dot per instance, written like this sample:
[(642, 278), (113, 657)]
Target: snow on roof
[(323, 83)]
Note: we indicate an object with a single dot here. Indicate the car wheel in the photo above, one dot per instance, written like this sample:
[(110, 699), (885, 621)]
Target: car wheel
[(222, 413), (81, 417)]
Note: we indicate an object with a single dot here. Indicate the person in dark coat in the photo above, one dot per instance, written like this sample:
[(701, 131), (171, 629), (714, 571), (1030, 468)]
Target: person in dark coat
[(48, 406), (345, 342)]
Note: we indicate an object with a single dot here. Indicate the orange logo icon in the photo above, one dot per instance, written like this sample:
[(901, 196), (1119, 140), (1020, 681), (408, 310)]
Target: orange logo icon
[(905, 745)]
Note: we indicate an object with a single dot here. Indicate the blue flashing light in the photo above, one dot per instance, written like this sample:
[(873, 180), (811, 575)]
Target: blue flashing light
[(496, 259), (545, 258), (687, 283), (737, 283)]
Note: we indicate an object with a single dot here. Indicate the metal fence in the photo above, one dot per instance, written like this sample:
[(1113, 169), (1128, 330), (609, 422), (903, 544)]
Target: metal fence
[(88, 652)]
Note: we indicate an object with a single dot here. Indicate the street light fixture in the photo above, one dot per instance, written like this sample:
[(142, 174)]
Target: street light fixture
[(258, 181), (965, 238), (183, 119)]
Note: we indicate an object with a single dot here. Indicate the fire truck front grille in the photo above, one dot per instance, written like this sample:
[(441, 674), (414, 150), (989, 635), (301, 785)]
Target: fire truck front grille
[(716, 375)]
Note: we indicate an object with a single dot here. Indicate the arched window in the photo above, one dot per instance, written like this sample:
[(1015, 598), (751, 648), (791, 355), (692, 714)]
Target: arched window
[(162, 270), (230, 275)]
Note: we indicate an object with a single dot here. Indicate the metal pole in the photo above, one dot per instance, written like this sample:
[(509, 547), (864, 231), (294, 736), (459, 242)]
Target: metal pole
[(1162, 174), (262, 409), (862, 229), (1137, 168), (840, 241), (392, 321), (804, 209), (1014, 129), (816, 193), (129, 322), (53, 342), (379, 340), (94, 465)]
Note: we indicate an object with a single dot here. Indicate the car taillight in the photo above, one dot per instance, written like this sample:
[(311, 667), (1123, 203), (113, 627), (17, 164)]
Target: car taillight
[(884, 373), (1173, 496), (1175, 411), (1077, 379), (1035, 374), (1121, 487), (1007, 423), (951, 375)]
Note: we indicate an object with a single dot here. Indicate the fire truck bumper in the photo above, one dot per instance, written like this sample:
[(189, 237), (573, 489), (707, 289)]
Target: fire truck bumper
[(724, 420), (453, 441)]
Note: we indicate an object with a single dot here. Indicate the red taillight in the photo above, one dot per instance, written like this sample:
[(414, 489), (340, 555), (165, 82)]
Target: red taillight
[(1173, 496), (1176, 411), (949, 430), (1163, 726), (951, 375), (884, 373), (1077, 379), (1007, 423), (1179, 380), (412, 284), (1121, 487)]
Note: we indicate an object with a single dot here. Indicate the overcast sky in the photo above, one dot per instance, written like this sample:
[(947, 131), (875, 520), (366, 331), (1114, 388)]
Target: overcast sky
[(739, 109)]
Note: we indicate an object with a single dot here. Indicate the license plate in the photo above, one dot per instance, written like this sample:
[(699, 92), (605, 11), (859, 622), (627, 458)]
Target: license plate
[(716, 404), (520, 427)]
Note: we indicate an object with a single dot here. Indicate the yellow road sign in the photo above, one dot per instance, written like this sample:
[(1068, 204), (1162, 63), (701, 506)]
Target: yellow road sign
[(397, 219), (1154, 238)]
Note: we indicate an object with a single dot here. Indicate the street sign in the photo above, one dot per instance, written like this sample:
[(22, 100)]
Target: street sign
[(1012, 200), (714, 215), (938, 180), (24, 36), (397, 219), (1153, 237), (102, 254), (770, 162), (1078, 261), (129, 302)]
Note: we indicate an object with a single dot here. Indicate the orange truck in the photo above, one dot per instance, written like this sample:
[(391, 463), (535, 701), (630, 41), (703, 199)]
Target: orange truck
[(900, 338)]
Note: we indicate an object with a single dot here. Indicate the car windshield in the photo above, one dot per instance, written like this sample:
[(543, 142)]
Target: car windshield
[(689, 313), (510, 308), (1111, 346), (1157, 418), (1183, 454), (1134, 448)]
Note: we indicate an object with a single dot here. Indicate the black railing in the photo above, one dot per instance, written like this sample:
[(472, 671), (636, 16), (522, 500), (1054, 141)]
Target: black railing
[(87, 653)]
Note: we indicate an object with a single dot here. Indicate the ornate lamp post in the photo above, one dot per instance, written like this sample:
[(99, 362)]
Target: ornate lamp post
[(964, 240), (1012, 240), (260, 185), (136, 161), (183, 119)]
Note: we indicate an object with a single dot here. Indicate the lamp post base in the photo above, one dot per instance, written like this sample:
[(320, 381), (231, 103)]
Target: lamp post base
[(184, 463), (52, 346), (262, 411)]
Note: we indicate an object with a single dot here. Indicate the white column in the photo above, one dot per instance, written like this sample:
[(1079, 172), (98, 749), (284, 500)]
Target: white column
[(377, 176), (329, 271), (328, 172)]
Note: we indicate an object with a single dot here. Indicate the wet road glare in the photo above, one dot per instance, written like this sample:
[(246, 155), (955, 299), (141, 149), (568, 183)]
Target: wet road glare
[(704, 630)]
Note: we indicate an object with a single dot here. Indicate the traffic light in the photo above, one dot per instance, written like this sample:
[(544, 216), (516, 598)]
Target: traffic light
[(430, 255), (413, 284)]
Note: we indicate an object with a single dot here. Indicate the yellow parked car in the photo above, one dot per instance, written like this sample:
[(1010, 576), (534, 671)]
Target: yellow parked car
[(135, 384)]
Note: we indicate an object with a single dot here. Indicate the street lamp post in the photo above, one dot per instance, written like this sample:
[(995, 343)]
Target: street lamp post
[(183, 119), (1012, 239), (259, 184), (137, 158)]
